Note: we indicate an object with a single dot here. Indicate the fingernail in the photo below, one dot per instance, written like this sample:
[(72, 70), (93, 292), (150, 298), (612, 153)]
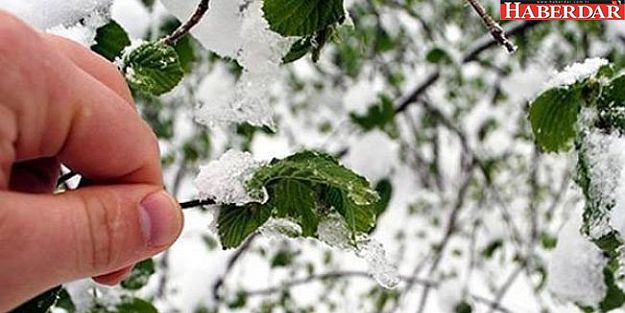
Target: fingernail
[(160, 219)]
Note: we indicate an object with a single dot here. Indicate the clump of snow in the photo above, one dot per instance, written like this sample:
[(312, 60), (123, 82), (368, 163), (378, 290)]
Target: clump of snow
[(576, 266), (237, 29), (333, 231), (45, 14), (605, 157), (73, 19), (577, 72), (380, 268), (374, 155), (83, 32), (223, 180)]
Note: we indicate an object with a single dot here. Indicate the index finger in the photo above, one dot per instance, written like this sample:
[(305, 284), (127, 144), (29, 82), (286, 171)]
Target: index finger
[(52, 107)]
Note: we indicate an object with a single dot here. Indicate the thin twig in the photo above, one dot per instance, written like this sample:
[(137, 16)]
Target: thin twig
[(493, 27), (358, 274), (231, 263), (196, 203), (185, 28), (517, 29)]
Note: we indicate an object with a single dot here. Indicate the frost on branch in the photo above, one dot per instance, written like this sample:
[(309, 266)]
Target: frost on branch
[(237, 29), (576, 267), (224, 180)]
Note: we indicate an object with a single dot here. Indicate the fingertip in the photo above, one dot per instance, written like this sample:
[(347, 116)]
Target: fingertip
[(114, 278), (161, 219)]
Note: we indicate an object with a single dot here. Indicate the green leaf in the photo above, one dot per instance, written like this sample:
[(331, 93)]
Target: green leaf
[(302, 17), (139, 276), (359, 218), (135, 305), (153, 68), (65, 302), (384, 188), (235, 223), (40, 303), (438, 56), (314, 168), (295, 199), (377, 116), (614, 298), (298, 50), (110, 41), (186, 53), (463, 307), (553, 116)]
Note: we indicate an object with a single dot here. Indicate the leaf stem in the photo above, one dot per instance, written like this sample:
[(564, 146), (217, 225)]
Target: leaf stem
[(186, 27)]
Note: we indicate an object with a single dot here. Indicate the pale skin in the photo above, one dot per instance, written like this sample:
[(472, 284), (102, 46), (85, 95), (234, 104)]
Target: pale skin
[(62, 104)]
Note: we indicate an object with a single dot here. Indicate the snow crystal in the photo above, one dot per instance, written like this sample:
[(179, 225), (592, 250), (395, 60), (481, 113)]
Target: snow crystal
[(279, 228), (576, 266), (333, 231), (576, 72), (379, 266), (224, 180), (605, 157), (238, 30), (45, 14)]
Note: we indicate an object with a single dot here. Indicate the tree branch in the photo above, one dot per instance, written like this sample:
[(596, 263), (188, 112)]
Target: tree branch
[(517, 29), (186, 27), (493, 27), (231, 263)]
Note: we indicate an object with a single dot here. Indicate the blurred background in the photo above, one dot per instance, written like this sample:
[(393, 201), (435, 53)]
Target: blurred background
[(414, 95)]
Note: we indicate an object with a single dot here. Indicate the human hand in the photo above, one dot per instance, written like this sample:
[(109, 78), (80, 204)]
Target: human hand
[(60, 103)]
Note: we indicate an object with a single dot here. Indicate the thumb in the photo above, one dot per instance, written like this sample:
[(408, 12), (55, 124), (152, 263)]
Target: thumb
[(46, 240)]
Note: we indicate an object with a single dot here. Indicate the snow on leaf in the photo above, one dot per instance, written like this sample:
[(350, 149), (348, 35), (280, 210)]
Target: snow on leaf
[(577, 72), (224, 180), (237, 30)]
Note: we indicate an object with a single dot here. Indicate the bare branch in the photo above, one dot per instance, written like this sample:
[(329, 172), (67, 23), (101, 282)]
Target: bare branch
[(517, 29), (186, 27), (231, 263), (493, 27)]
